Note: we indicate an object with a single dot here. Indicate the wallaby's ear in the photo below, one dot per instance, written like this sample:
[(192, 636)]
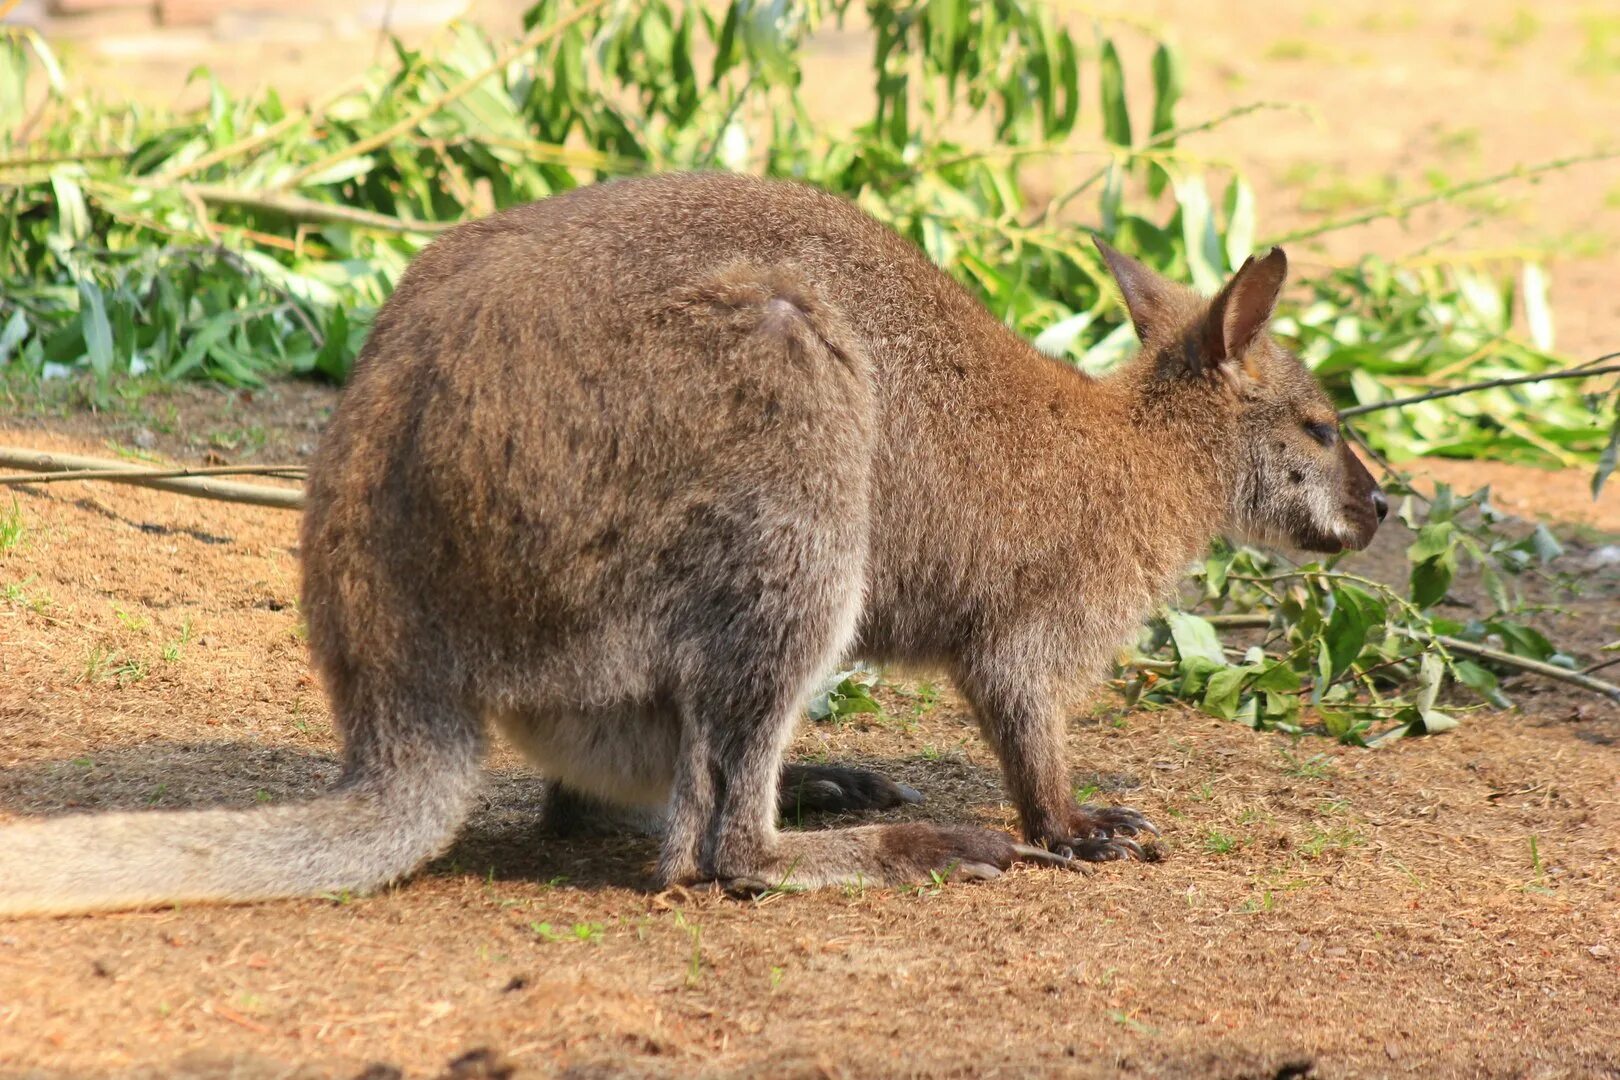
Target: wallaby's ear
[(1148, 297), (1241, 311)]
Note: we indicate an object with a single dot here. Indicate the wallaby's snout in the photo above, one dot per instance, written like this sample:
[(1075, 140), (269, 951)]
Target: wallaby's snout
[(1364, 504)]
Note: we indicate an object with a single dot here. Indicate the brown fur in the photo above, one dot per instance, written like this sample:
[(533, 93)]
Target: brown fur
[(626, 470)]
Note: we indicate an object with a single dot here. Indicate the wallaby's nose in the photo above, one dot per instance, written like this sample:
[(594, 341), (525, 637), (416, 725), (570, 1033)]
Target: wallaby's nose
[(1380, 504)]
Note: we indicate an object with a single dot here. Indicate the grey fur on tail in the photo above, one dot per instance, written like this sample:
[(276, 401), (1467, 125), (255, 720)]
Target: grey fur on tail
[(360, 836)]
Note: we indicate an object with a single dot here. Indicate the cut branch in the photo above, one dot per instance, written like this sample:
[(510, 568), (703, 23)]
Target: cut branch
[(201, 483)]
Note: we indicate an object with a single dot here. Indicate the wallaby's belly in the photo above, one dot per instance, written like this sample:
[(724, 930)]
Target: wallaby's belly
[(624, 755)]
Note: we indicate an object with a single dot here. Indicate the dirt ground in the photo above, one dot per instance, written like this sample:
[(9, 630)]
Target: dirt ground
[(1444, 907)]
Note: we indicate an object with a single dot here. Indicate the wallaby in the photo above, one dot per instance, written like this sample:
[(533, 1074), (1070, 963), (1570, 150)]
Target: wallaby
[(625, 470)]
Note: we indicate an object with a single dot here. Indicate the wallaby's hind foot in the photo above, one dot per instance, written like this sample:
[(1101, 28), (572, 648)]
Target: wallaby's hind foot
[(838, 789), (884, 855), (806, 789)]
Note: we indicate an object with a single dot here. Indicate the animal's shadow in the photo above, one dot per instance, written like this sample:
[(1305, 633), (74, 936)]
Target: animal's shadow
[(505, 838)]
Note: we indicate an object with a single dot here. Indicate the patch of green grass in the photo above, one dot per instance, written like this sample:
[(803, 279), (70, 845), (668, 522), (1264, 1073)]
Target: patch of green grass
[(1315, 767), (1611, 198), (1292, 50), (246, 439), (16, 593), (95, 664), (1217, 842), (1459, 142), (1340, 194), (12, 529), (131, 453), (172, 649), (136, 623), (1387, 20), (1322, 841), (589, 933), (130, 671)]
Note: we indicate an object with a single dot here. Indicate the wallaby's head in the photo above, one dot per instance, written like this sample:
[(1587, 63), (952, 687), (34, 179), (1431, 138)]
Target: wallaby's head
[(1294, 481)]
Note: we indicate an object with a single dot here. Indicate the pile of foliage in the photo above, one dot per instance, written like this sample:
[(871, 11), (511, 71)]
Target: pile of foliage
[(252, 238)]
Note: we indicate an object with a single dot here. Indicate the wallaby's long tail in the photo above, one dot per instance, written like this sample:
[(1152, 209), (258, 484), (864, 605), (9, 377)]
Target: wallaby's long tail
[(358, 837)]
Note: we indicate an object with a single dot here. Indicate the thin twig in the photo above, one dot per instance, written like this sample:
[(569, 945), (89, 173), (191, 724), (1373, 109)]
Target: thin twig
[(128, 474), (1583, 372), (302, 209), (204, 487), (1405, 206), (65, 158), (532, 40)]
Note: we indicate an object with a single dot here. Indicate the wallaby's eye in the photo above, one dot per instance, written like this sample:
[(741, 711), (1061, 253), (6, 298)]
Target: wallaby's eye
[(1322, 433)]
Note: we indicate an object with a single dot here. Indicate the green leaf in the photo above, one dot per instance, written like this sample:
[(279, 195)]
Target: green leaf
[(98, 337), (1166, 88), (1204, 254), (1355, 612), (72, 215), (1240, 222), (1431, 673), (1608, 459), (1223, 690), (1434, 721), (1434, 559), (1195, 638), (1116, 119)]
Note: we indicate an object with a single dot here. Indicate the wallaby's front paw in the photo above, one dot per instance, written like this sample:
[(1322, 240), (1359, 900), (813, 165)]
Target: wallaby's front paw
[(827, 789), (1103, 834)]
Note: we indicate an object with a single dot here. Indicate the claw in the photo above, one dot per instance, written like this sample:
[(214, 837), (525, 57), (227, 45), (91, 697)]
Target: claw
[(1112, 819), (1130, 846), (1031, 853), (1107, 849), (912, 795)]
